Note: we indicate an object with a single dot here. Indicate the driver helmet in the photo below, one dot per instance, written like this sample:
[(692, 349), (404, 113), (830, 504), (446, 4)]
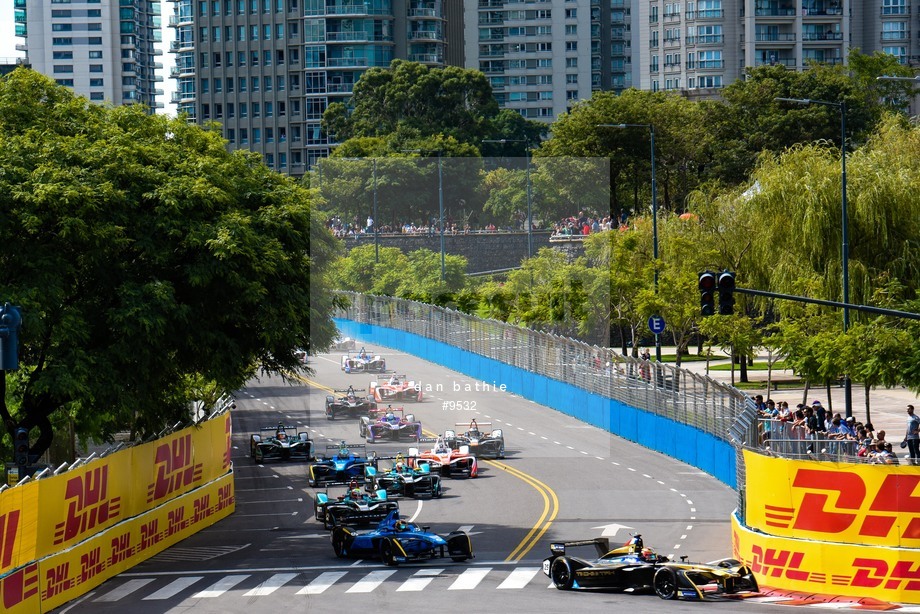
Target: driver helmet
[(356, 493), (647, 554), (399, 466), (282, 435), (390, 415), (402, 525)]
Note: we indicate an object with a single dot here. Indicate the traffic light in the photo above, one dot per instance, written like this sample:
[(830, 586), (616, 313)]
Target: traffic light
[(21, 447), (707, 287), (10, 321), (726, 293)]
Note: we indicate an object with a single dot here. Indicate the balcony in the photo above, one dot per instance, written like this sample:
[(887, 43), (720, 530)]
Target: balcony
[(706, 14), (434, 58), (822, 36), (781, 12), (355, 10), (424, 13), (356, 37), (775, 37), (346, 63), (426, 35), (787, 62), (340, 88), (176, 20)]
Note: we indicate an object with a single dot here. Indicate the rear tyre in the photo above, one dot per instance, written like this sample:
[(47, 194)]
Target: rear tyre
[(665, 583), (561, 574), (259, 456), (329, 520)]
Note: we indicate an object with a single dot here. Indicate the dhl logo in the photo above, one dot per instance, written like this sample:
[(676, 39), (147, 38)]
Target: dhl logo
[(834, 502), (9, 527), (88, 505), (19, 586), (774, 563), (875, 573), (175, 468)]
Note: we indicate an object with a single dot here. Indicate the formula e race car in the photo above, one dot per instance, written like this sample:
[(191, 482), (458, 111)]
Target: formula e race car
[(354, 507), (401, 480), (341, 468), (393, 425), (632, 566), (362, 362), (397, 541), (349, 404), (444, 461), (277, 443), (395, 388), (481, 444)]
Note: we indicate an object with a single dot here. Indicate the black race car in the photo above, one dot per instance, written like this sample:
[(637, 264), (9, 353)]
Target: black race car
[(481, 444), (349, 404), (401, 480), (280, 443), (635, 567), (354, 507)]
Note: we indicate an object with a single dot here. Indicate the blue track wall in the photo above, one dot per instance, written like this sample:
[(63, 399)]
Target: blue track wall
[(680, 441)]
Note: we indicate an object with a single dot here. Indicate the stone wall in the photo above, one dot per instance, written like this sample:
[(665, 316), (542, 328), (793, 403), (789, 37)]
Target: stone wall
[(484, 251)]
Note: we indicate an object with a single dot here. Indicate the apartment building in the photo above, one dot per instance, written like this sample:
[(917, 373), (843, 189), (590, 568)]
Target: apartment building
[(102, 49), (268, 69), (541, 56), (700, 46)]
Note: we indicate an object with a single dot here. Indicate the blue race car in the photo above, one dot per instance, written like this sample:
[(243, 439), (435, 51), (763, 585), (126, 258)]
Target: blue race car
[(342, 468), (397, 541)]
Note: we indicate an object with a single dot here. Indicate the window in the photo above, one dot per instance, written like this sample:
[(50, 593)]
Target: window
[(571, 30), (267, 57), (269, 109), (571, 62), (97, 82), (894, 7), (282, 107), (62, 41), (244, 136), (242, 85), (231, 135), (255, 84), (203, 60), (571, 79), (244, 110), (571, 13), (280, 82), (270, 159), (61, 27), (256, 109), (63, 55), (97, 96), (231, 110), (894, 30), (279, 56), (256, 135), (63, 68), (269, 135), (241, 58), (899, 52), (268, 84), (64, 82), (230, 85), (205, 86), (218, 85), (95, 55), (571, 45), (217, 59), (241, 33)]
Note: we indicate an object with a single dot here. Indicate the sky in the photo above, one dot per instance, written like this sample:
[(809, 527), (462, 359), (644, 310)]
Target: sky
[(8, 42)]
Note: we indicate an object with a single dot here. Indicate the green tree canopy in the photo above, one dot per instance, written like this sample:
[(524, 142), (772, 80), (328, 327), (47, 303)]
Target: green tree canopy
[(148, 262)]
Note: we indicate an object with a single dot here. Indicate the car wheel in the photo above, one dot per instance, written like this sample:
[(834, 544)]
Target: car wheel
[(561, 574), (329, 521), (339, 539), (386, 553), (665, 583), (259, 455)]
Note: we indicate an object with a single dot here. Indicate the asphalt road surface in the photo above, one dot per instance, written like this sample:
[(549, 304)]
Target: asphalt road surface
[(561, 480)]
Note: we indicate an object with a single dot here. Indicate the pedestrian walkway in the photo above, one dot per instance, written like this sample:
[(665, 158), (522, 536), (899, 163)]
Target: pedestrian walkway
[(887, 406)]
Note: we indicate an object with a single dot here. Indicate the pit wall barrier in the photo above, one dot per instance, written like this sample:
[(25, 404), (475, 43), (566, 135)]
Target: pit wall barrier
[(680, 441), (63, 535), (834, 528)]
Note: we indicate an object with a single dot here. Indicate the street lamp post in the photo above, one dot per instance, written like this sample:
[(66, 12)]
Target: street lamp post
[(376, 221), (651, 130), (845, 231), (529, 193)]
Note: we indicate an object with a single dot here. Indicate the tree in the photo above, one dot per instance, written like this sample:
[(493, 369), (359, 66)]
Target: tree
[(149, 263), (452, 101)]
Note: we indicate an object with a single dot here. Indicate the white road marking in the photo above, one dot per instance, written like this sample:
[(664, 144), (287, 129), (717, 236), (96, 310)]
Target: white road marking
[(469, 579), (466, 528), (630, 468), (220, 587), (519, 578), (271, 585), (418, 511), (420, 580), (322, 582), (371, 581), (124, 590), (598, 458)]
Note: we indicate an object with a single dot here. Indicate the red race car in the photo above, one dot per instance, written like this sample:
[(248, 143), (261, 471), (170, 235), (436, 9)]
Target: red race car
[(395, 387)]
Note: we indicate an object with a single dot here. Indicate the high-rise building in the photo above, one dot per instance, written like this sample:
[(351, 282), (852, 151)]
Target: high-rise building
[(104, 50), (703, 45), (268, 69), (541, 56)]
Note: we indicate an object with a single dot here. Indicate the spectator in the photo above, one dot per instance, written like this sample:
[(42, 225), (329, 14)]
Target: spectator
[(913, 435), (811, 423)]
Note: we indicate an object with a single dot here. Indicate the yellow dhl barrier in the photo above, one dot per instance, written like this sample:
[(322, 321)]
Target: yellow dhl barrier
[(849, 503), (43, 585), (49, 515), (891, 574)]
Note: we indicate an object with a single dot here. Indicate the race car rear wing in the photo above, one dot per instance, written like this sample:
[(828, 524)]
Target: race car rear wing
[(387, 376), (601, 545), (279, 427), (352, 390)]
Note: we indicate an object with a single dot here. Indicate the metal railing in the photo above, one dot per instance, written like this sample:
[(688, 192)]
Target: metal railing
[(664, 390)]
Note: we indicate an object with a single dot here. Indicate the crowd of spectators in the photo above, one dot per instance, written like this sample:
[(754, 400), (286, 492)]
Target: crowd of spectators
[(353, 229), (582, 225), (814, 431)]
